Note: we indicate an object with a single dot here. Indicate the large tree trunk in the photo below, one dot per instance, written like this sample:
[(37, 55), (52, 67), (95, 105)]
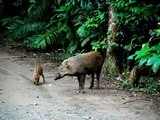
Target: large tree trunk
[(112, 26), (113, 50)]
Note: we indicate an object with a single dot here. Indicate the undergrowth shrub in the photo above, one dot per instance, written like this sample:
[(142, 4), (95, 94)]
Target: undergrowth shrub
[(146, 84)]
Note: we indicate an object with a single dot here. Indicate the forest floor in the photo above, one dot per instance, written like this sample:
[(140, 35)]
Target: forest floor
[(20, 99)]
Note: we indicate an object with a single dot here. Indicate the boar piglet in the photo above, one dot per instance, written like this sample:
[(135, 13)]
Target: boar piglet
[(38, 71), (81, 65)]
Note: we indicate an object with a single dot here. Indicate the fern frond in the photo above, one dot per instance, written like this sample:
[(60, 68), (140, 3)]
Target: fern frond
[(20, 29), (19, 2), (8, 20), (37, 11), (50, 37), (73, 45)]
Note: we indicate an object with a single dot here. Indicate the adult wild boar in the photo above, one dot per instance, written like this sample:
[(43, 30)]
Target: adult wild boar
[(81, 65)]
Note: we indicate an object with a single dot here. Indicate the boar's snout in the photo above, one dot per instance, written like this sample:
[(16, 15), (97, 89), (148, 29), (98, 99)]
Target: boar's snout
[(57, 76)]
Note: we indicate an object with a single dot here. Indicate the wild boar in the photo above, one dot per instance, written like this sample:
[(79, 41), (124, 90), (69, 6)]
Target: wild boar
[(134, 76), (81, 65), (38, 71), (137, 72)]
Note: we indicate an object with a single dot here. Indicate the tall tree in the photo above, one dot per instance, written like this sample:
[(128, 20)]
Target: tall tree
[(113, 49)]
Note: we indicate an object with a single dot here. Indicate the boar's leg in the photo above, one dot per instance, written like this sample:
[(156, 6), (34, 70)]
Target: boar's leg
[(98, 76), (36, 82), (81, 80), (43, 78), (92, 82)]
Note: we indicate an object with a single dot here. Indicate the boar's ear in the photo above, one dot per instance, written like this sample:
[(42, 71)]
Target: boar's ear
[(66, 64)]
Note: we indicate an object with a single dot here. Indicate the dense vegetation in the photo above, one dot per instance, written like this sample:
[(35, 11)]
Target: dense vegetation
[(82, 25)]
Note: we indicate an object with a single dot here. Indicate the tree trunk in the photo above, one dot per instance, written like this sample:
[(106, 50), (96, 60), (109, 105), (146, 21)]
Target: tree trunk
[(112, 26), (113, 50)]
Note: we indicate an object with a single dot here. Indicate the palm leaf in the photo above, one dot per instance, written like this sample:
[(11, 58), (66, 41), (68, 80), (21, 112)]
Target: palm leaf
[(41, 41), (19, 2), (38, 10), (20, 29)]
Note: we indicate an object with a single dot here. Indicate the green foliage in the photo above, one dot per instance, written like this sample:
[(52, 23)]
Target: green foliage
[(60, 55), (125, 84), (148, 85), (88, 31), (155, 34), (135, 19), (20, 27), (37, 9), (50, 37), (99, 45), (19, 3), (34, 28), (149, 55), (8, 20), (66, 24), (83, 23)]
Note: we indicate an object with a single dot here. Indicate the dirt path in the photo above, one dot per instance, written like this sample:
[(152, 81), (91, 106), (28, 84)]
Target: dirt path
[(20, 99)]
